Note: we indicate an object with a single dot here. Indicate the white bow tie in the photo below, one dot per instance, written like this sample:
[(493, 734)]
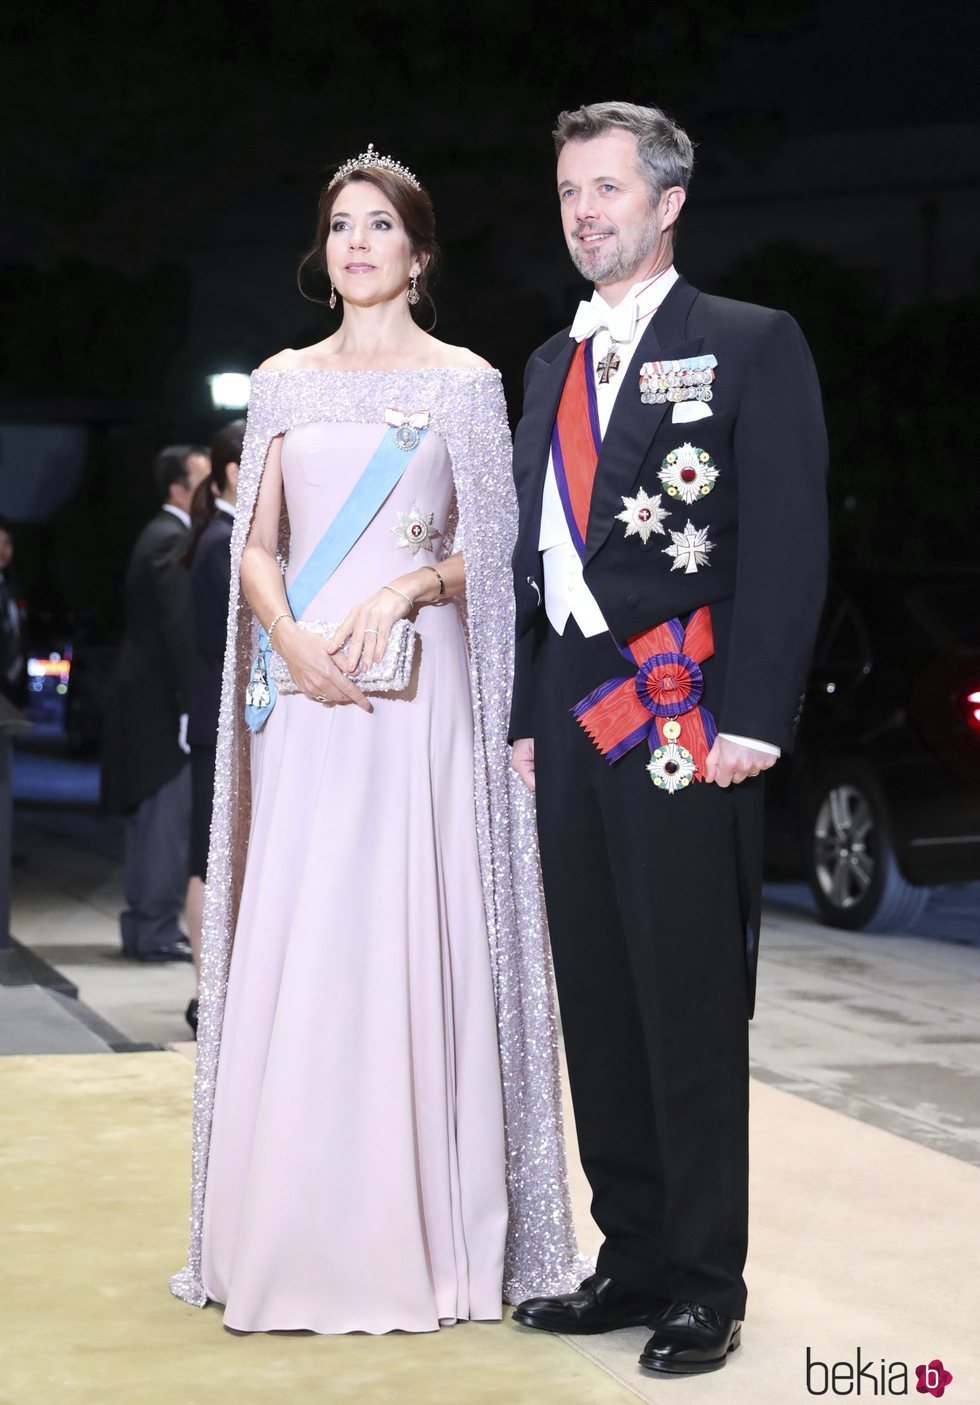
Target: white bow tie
[(620, 322)]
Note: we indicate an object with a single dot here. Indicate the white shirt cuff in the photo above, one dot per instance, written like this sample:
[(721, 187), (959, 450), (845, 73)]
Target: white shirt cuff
[(753, 743)]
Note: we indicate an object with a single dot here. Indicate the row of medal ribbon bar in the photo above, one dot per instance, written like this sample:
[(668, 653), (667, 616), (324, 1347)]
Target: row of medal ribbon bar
[(653, 377), (673, 397)]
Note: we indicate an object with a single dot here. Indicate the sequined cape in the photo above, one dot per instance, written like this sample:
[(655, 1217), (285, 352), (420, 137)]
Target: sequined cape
[(466, 407)]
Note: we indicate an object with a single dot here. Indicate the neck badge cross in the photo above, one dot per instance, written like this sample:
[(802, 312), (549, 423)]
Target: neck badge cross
[(608, 366)]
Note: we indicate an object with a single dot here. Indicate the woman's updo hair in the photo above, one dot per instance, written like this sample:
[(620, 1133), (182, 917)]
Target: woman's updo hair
[(226, 449), (413, 207)]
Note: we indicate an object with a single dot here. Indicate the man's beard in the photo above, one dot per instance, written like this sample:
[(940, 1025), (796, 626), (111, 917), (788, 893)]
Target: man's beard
[(613, 265)]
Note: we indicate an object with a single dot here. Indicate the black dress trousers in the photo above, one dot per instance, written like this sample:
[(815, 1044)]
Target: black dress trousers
[(643, 901)]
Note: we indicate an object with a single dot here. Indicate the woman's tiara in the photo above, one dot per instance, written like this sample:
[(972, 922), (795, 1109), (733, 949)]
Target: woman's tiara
[(371, 159)]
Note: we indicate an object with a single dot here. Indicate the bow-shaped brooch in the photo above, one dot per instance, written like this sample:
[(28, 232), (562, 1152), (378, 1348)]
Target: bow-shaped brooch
[(407, 426)]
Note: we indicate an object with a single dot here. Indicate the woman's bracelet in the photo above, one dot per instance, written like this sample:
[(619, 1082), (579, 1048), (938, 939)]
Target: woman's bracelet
[(286, 615), (442, 583), (407, 598)]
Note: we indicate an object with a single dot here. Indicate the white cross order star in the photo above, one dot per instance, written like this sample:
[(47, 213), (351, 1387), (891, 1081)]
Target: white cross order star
[(689, 549)]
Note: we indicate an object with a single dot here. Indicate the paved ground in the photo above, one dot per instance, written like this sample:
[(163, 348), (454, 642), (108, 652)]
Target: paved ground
[(882, 1028), (67, 894)]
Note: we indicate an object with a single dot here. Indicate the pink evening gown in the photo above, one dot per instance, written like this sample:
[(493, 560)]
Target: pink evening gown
[(356, 1169)]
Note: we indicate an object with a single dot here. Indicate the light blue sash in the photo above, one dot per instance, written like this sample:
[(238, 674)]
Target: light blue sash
[(381, 474)]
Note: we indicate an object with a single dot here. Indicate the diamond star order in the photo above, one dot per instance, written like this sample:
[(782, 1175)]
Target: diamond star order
[(642, 515), (689, 549), (415, 530), (688, 473)]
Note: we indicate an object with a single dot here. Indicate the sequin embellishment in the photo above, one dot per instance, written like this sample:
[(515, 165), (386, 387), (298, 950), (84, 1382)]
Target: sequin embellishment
[(469, 413)]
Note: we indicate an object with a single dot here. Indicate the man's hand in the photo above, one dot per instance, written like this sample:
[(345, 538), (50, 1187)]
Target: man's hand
[(730, 763), (522, 760)]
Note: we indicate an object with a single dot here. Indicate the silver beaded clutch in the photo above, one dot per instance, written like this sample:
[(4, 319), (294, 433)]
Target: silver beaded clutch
[(391, 674)]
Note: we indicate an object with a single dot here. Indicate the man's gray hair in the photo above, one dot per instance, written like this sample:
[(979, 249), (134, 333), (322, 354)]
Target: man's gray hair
[(665, 150)]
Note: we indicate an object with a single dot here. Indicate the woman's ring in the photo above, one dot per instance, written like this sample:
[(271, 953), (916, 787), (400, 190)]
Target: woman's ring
[(370, 631)]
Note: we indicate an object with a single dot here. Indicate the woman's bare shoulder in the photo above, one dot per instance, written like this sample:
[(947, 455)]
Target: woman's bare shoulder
[(285, 360), (461, 357)]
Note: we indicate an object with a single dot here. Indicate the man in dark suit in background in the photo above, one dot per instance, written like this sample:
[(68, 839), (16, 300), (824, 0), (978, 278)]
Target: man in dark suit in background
[(669, 573), (145, 775), (13, 701)]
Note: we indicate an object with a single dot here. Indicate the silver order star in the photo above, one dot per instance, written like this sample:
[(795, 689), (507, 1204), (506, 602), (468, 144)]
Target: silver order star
[(689, 549), (671, 768), (688, 473), (642, 515), (415, 530)]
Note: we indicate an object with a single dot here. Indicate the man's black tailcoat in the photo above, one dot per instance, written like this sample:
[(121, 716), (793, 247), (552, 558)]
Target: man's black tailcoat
[(653, 900), (151, 682), (766, 516)]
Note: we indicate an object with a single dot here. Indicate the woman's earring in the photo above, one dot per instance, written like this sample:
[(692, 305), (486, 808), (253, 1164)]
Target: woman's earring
[(333, 295), (413, 292)]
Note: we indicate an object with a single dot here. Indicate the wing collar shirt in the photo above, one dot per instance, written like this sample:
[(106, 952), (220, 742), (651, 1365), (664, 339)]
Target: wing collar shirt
[(178, 512), (619, 329)]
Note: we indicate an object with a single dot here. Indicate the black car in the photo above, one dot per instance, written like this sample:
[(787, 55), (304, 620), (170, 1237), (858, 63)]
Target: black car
[(881, 797)]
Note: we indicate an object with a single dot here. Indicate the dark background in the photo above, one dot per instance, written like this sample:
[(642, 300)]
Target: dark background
[(163, 162)]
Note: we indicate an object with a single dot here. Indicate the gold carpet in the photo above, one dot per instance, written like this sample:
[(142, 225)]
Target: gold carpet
[(857, 1239), (94, 1154)]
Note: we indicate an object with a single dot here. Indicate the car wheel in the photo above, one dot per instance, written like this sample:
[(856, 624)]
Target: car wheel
[(850, 860)]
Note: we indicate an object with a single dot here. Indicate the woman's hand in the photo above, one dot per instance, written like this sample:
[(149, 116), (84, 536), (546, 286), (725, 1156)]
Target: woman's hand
[(313, 670), (369, 624)]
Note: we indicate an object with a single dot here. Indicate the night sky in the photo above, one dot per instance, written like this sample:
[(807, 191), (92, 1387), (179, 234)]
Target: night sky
[(161, 182)]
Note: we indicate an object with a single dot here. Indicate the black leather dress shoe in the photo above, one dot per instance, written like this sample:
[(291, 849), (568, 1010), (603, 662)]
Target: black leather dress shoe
[(689, 1339), (599, 1305), (179, 951), (190, 1015)]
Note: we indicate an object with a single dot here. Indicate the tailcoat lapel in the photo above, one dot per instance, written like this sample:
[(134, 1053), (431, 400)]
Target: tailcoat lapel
[(632, 424), (532, 445)]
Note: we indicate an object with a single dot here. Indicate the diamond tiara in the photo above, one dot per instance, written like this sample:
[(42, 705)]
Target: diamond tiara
[(371, 159)]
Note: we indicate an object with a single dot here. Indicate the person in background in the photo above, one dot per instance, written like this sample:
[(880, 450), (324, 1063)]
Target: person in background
[(209, 561), (145, 775), (13, 698), (13, 658)]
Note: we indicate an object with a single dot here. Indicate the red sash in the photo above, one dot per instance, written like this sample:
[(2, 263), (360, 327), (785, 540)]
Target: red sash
[(623, 712), (575, 443)]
